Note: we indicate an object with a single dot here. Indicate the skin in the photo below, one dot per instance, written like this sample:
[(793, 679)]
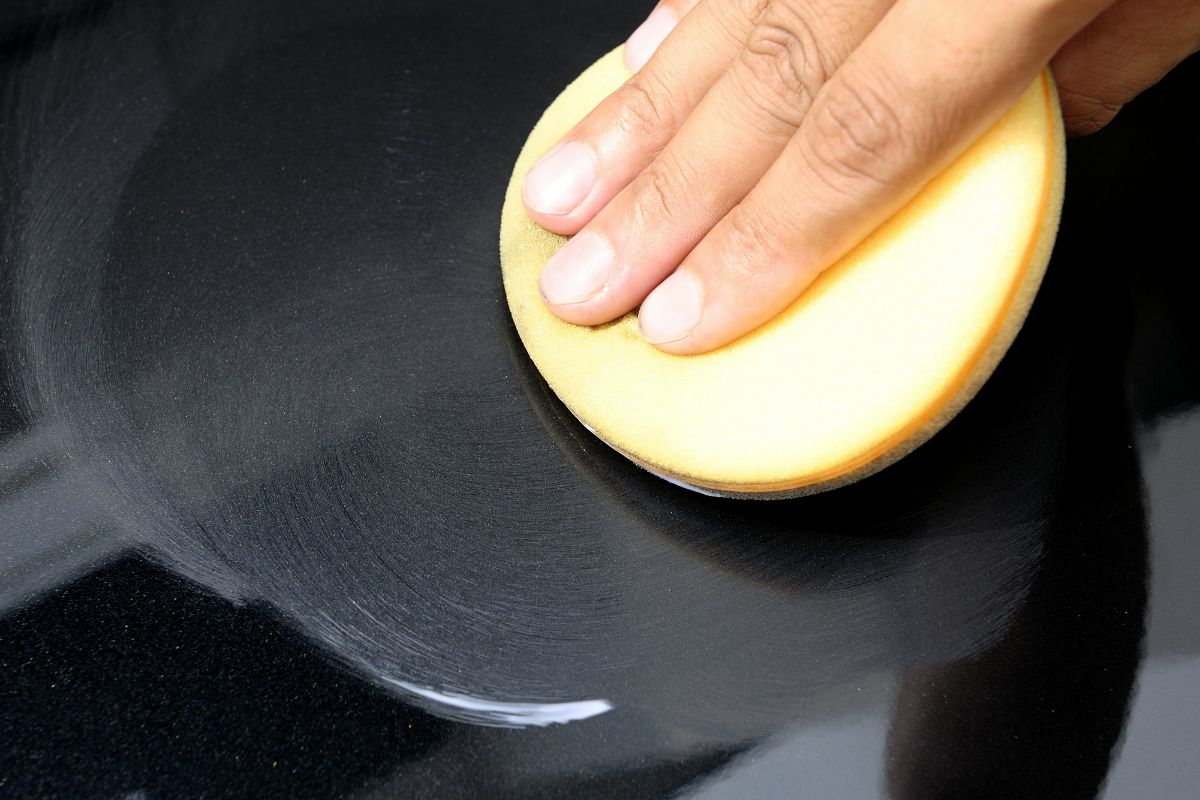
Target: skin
[(760, 140)]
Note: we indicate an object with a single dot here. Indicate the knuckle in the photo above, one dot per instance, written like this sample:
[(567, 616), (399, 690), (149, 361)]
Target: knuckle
[(783, 66), (855, 136), (659, 193), (1085, 113), (752, 237), (643, 109)]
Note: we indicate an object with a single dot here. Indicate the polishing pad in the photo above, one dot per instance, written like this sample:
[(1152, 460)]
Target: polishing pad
[(880, 352)]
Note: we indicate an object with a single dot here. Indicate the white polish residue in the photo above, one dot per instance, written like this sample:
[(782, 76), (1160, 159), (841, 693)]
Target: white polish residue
[(511, 714)]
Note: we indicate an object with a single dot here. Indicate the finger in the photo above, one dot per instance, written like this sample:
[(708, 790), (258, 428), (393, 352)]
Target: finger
[(1118, 55), (612, 144), (647, 37), (932, 76), (731, 138)]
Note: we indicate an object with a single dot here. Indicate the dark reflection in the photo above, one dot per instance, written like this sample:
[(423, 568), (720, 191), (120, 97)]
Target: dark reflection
[(254, 329), (1052, 695)]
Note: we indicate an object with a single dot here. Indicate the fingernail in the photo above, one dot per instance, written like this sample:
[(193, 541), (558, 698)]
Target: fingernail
[(579, 271), (558, 182), (649, 35), (672, 311)]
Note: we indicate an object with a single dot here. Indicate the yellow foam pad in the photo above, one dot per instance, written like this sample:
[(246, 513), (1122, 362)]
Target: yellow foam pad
[(873, 359)]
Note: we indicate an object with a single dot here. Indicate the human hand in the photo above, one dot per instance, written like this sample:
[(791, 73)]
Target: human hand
[(761, 140)]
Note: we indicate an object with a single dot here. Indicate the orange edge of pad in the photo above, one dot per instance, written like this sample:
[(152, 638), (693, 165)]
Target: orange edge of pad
[(933, 408)]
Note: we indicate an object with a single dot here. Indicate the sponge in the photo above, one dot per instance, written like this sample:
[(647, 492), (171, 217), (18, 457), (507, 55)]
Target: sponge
[(879, 353)]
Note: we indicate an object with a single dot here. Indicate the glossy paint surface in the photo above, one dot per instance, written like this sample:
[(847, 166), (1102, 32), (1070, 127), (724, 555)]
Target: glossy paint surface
[(285, 511)]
